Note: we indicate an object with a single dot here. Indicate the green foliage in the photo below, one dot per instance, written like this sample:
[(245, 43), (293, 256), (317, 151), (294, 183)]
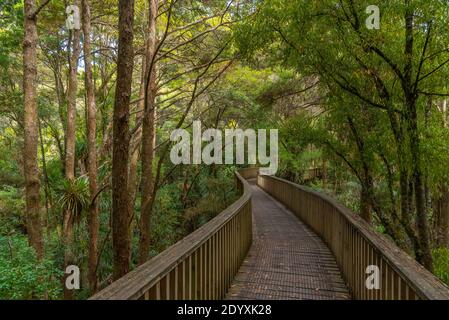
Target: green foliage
[(11, 208), (11, 31), (215, 196), (208, 197), (166, 219), (74, 196), (22, 276), (441, 264)]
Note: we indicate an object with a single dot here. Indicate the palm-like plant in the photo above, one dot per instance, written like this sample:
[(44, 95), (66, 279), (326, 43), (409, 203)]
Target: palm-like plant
[(74, 197)]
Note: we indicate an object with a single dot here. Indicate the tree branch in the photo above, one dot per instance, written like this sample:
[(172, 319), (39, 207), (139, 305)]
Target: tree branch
[(40, 8)]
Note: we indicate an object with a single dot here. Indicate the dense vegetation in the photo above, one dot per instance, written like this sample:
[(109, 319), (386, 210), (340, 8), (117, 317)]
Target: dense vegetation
[(86, 116)]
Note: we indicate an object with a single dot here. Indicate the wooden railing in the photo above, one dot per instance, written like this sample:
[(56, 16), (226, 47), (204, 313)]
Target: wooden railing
[(356, 246), (200, 266)]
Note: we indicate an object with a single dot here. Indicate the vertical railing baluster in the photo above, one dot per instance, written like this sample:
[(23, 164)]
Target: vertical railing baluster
[(200, 274)]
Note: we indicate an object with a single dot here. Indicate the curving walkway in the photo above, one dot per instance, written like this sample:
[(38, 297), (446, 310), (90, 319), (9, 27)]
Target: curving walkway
[(287, 260)]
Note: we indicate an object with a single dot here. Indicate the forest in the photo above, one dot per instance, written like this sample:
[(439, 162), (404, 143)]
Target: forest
[(91, 91)]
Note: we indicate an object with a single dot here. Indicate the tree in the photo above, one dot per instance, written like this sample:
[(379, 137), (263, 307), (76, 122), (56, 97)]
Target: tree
[(91, 146), (31, 126), (70, 144), (121, 139), (148, 134)]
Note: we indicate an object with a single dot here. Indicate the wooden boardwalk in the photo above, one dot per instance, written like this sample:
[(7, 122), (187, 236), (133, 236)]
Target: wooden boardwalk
[(287, 260)]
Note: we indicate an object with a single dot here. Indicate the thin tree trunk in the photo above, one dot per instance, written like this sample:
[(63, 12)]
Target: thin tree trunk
[(135, 146), (442, 202), (441, 208), (367, 182), (148, 139), (427, 192), (48, 198), (30, 121), (71, 105), (424, 255), (121, 137), (59, 88), (70, 146), (94, 225)]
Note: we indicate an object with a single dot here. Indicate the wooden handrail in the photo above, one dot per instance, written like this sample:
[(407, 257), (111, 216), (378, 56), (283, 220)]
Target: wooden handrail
[(356, 246), (200, 266)]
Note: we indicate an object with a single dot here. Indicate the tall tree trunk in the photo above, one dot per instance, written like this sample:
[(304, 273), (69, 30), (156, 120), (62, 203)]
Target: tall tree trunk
[(441, 205), (135, 145), (94, 225), (148, 138), (71, 104), (70, 146), (121, 137), (30, 122), (47, 190), (424, 255), (59, 88)]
